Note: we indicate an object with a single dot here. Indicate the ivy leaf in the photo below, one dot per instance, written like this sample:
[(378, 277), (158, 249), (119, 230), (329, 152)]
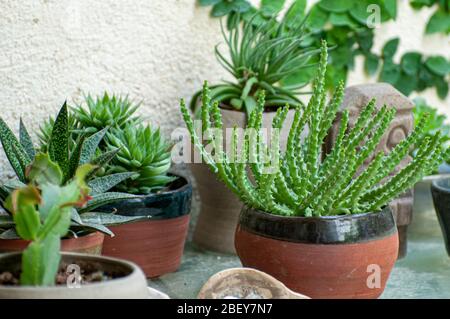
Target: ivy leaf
[(336, 5), (411, 62), (391, 8), (417, 4), (390, 72), (361, 11), (439, 22), (365, 40), (390, 48), (342, 19), (371, 64), (438, 65), (317, 18), (406, 83), (271, 7), (221, 9), (442, 88)]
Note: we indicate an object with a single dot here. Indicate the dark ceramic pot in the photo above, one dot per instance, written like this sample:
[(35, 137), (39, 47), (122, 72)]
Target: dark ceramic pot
[(156, 244), (87, 244), (440, 191), (347, 256)]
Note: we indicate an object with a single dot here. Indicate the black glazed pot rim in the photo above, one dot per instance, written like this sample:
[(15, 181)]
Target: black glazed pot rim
[(341, 229), (437, 185)]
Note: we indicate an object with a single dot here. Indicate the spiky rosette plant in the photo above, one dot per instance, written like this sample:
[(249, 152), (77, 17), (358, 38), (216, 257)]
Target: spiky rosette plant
[(45, 132), (21, 153), (303, 181), (105, 111), (261, 58), (143, 151)]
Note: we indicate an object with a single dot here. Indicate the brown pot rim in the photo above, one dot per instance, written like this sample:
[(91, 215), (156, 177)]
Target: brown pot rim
[(341, 229)]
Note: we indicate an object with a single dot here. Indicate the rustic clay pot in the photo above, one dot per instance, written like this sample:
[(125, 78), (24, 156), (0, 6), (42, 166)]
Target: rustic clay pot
[(132, 285), (245, 283), (88, 244), (156, 244), (324, 257), (440, 190), (219, 206)]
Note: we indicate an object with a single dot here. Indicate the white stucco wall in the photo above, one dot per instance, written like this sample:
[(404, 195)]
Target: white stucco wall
[(155, 50)]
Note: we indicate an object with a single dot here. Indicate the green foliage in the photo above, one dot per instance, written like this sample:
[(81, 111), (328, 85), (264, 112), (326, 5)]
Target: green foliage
[(303, 181), (105, 111), (67, 155), (436, 123), (42, 214), (440, 20), (144, 152), (414, 72), (343, 24), (261, 57)]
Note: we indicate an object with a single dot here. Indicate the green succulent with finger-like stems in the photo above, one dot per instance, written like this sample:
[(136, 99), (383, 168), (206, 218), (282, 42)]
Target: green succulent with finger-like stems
[(303, 181), (105, 111), (144, 152), (261, 58)]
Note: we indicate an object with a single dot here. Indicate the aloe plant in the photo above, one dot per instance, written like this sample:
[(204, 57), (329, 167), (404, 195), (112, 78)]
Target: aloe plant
[(42, 214), (262, 57), (21, 153), (303, 181), (143, 151), (105, 111)]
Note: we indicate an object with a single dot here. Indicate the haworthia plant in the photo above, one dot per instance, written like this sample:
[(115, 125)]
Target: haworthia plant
[(306, 182), (67, 156)]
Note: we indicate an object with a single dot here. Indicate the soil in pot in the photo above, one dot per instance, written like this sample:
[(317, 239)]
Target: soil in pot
[(328, 257), (103, 278), (220, 208), (155, 244), (90, 243)]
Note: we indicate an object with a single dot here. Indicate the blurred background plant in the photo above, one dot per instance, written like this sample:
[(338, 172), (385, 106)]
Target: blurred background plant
[(343, 24)]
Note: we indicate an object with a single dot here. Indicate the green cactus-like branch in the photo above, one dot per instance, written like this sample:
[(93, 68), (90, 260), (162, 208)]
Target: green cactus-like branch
[(303, 180)]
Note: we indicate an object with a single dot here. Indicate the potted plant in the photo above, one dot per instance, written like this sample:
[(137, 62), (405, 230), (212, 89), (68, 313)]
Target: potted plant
[(315, 221), (270, 56), (42, 212), (69, 150), (424, 211), (164, 200)]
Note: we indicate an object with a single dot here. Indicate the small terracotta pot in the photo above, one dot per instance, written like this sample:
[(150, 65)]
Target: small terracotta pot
[(440, 190), (157, 244), (220, 207), (347, 256), (89, 244)]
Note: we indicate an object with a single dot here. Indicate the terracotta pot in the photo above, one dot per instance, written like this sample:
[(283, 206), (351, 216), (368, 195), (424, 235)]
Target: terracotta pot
[(88, 244), (440, 189), (130, 284), (157, 244), (220, 208), (326, 257)]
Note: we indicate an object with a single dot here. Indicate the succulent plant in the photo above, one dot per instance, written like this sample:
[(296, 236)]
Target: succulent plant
[(21, 153), (143, 151), (45, 132), (303, 181), (42, 214), (105, 111), (260, 58)]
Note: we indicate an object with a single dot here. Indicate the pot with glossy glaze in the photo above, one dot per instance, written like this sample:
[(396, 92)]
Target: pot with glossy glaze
[(88, 244), (440, 191), (321, 257), (156, 244)]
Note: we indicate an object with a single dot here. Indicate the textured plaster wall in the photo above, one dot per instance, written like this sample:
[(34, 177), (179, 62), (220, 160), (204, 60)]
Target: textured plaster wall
[(155, 50)]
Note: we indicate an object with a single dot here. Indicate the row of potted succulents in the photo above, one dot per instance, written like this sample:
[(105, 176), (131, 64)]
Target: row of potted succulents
[(320, 220), (141, 208), (314, 217)]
